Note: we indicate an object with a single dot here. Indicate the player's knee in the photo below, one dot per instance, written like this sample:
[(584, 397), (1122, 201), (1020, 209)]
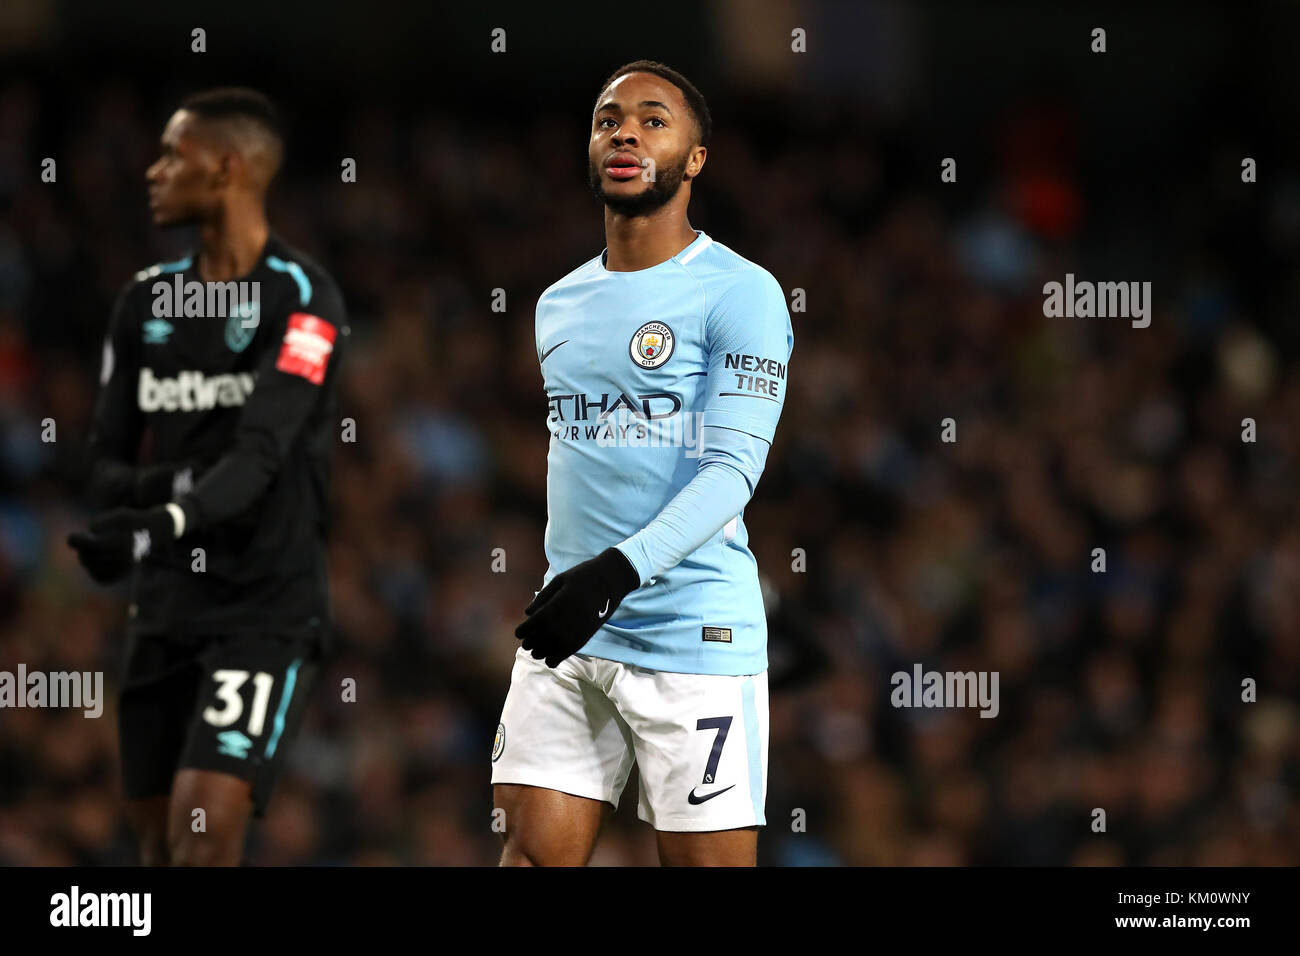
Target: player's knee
[(148, 818), (526, 846), (521, 852), (513, 851), (513, 854), (153, 850), (205, 849), (523, 846), (218, 841)]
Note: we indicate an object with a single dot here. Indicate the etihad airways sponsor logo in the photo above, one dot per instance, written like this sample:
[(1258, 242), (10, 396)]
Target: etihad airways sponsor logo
[(580, 407), (653, 420), (192, 391)]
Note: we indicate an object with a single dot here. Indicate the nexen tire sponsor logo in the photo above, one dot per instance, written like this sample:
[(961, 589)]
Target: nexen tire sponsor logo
[(192, 391)]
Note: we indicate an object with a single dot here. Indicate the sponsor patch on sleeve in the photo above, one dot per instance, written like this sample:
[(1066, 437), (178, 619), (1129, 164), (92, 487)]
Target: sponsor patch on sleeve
[(305, 351)]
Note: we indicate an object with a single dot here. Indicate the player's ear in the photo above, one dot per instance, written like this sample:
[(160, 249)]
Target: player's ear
[(696, 161), (228, 168)]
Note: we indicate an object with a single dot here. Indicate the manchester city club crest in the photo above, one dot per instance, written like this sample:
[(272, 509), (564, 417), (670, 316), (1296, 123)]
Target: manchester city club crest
[(652, 345), (499, 744)]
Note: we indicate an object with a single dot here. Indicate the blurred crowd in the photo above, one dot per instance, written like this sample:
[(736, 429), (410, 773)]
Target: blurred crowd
[(881, 545)]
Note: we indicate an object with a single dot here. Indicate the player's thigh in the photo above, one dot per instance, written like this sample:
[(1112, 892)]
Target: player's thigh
[(560, 752), (250, 704), (546, 827), (701, 748), (160, 683)]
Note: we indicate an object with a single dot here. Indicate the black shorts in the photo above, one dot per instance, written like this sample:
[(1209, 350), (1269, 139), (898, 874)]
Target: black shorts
[(231, 704)]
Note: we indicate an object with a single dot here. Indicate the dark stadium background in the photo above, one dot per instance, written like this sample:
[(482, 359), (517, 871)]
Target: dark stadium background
[(1119, 691)]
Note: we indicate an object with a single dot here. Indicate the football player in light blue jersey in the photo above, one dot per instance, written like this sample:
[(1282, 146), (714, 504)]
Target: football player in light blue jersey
[(664, 361)]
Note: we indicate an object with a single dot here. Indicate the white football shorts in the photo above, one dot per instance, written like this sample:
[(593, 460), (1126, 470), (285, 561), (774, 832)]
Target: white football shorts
[(698, 740)]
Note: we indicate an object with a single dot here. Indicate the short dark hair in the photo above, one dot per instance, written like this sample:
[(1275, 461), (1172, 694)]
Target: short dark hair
[(236, 102), (248, 117), (694, 99)]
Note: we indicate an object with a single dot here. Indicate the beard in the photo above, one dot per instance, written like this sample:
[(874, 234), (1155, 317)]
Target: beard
[(668, 179)]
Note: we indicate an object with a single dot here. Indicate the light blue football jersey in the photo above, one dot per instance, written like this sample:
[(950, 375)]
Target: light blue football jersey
[(649, 374)]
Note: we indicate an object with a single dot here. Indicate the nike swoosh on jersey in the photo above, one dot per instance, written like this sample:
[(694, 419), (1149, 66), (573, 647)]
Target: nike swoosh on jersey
[(549, 351), (606, 611), (696, 801)]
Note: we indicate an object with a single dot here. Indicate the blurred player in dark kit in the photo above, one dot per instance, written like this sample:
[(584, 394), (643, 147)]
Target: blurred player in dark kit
[(221, 526)]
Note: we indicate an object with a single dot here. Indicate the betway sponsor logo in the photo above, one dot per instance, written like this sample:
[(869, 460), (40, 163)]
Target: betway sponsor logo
[(192, 391)]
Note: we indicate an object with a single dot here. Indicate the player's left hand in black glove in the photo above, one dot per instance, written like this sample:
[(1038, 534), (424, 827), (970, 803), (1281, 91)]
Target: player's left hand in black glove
[(575, 604), (121, 536)]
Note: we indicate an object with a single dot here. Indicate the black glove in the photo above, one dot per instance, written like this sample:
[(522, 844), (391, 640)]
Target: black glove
[(119, 537), (159, 484), (575, 604), (102, 561)]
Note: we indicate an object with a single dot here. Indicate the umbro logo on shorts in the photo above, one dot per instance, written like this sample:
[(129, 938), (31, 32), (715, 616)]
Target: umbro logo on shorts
[(696, 800), (234, 744)]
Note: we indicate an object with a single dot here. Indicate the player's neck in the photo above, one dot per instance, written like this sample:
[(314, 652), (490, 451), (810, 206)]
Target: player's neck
[(640, 242), (230, 246)]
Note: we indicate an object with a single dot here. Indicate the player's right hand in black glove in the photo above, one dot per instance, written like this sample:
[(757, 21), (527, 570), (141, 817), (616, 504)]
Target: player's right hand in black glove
[(119, 537), (575, 604)]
